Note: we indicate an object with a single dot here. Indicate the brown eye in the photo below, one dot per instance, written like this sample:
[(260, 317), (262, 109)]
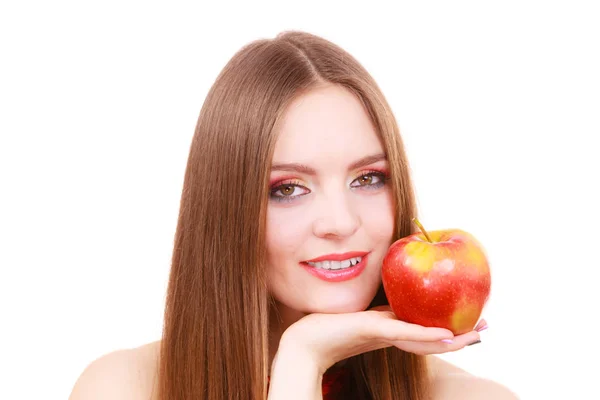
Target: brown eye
[(371, 180), (287, 190), (366, 179)]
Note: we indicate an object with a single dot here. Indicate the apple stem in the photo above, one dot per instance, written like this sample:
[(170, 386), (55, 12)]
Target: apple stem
[(416, 221)]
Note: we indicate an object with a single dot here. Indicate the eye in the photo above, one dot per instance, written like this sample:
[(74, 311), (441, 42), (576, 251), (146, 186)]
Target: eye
[(287, 191), (371, 180), (366, 179)]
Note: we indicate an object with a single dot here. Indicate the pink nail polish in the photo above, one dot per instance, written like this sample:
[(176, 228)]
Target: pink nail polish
[(483, 328), (449, 341)]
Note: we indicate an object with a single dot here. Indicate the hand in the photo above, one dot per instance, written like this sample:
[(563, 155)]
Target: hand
[(329, 338)]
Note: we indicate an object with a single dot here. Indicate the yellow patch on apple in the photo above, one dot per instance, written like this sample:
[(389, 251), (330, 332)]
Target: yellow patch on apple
[(420, 258), (464, 318)]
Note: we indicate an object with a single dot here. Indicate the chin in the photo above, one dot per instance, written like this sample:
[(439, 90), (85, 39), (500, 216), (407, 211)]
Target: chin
[(341, 304)]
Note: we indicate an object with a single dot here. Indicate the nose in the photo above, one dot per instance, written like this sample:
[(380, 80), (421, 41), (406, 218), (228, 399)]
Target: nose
[(336, 216)]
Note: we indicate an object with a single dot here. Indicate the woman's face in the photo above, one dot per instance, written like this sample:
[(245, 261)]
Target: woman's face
[(328, 196)]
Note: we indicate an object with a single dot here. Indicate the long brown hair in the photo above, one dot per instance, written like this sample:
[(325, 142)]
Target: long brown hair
[(215, 336)]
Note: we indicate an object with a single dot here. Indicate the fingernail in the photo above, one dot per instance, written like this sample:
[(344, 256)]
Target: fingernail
[(479, 341), (483, 328), (449, 341)]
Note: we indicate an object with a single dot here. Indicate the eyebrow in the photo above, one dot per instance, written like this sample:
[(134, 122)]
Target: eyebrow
[(305, 169)]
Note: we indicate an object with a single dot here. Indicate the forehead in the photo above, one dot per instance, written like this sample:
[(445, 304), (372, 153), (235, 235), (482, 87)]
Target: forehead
[(328, 121)]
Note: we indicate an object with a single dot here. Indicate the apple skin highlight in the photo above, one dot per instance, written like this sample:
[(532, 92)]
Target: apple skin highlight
[(443, 283)]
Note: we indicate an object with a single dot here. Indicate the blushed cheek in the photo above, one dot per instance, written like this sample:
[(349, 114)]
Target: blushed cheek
[(285, 232), (380, 218)]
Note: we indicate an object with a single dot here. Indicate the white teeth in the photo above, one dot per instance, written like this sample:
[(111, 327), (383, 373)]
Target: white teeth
[(355, 260), (336, 264)]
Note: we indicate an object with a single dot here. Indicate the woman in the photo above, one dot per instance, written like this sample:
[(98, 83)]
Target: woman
[(296, 185)]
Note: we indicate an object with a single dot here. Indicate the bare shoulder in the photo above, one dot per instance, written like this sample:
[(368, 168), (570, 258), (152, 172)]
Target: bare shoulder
[(450, 382), (121, 374)]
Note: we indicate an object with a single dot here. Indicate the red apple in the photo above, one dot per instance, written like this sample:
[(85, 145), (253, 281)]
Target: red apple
[(437, 279)]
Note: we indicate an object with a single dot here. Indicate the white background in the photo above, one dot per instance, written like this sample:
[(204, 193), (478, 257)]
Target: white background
[(498, 104)]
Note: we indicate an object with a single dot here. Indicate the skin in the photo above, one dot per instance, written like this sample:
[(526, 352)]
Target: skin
[(327, 130), (336, 211)]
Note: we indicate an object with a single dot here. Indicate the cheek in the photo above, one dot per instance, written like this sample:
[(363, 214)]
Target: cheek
[(378, 216), (285, 232)]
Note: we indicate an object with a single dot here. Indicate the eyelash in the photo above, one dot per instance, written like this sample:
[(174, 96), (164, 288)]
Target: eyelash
[(383, 178)]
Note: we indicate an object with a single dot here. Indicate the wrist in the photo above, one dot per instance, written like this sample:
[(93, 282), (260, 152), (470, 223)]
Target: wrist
[(293, 350), (294, 374)]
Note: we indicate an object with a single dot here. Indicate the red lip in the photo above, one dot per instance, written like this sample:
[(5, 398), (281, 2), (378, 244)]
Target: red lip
[(337, 275), (339, 257)]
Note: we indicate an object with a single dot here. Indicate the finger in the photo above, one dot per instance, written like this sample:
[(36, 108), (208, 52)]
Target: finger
[(439, 347), (481, 325), (384, 325), (384, 307), (461, 341)]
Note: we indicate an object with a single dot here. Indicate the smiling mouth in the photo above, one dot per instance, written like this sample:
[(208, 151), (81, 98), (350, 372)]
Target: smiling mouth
[(335, 265), (336, 271)]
